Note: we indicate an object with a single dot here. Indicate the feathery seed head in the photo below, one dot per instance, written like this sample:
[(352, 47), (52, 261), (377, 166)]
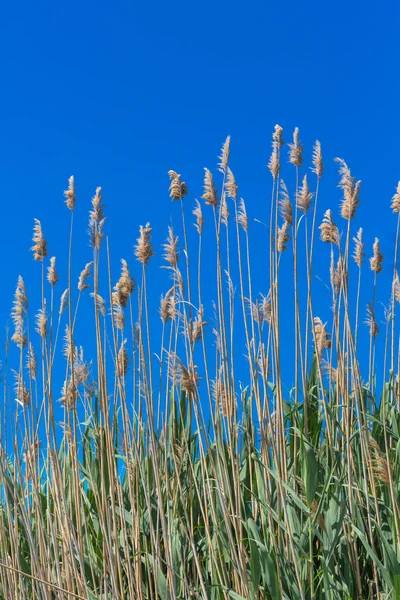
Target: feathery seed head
[(84, 276), (321, 336), (318, 165), (143, 248), (199, 217), (21, 393), (376, 261), (242, 216), (396, 200), (64, 301), (52, 275), (231, 187), (39, 248), (351, 191), (69, 194), (96, 220), (304, 196), (370, 321), (358, 253), (296, 150), (171, 254), (329, 231), (177, 188), (285, 204), (31, 362), (224, 210), (125, 285), (283, 237), (210, 192), (224, 157)]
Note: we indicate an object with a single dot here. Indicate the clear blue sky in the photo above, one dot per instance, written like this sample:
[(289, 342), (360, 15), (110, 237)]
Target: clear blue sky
[(118, 93)]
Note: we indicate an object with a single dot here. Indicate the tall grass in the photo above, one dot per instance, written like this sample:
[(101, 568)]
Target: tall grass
[(159, 474)]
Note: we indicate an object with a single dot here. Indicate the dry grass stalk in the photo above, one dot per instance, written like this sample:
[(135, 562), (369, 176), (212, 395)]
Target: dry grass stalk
[(196, 328), (168, 306)]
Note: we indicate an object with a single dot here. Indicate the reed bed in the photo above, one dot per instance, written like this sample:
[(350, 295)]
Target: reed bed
[(143, 472)]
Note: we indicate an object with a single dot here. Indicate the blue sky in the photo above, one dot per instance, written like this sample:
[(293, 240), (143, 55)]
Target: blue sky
[(119, 93)]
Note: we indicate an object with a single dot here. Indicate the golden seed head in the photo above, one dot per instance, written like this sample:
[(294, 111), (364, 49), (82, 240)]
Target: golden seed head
[(396, 200), (210, 192), (84, 276), (96, 220), (304, 196), (224, 157), (242, 216), (143, 248), (224, 210), (31, 362), (177, 188), (376, 261), (64, 301), (171, 254), (199, 217), (39, 248), (283, 237), (318, 165), (41, 322), (358, 253), (296, 150), (122, 360), (329, 231), (370, 321), (21, 393), (69, 194), (125, 285), (321, 336), (231, 187), (351, 191), (285, 204), (52, 275), (277, 136)]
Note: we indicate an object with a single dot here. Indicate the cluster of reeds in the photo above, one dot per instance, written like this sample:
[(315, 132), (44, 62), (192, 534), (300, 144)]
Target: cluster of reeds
[(134, 472)]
